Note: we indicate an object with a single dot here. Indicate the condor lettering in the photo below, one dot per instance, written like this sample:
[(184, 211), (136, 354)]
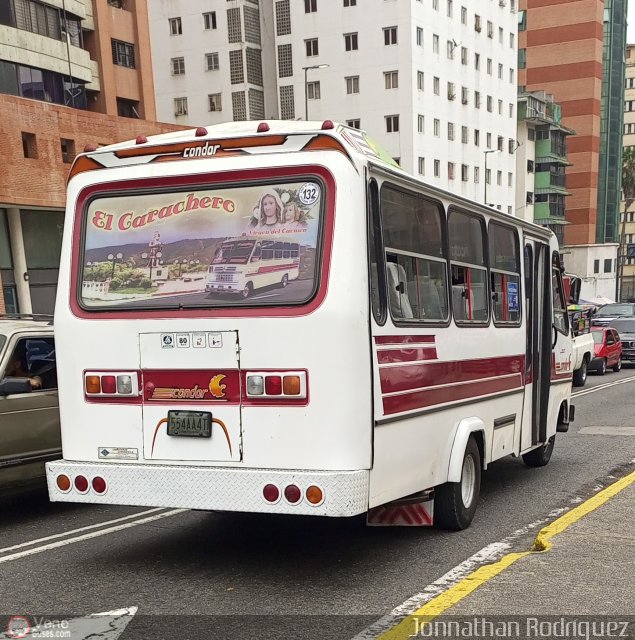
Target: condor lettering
[(195, 152)]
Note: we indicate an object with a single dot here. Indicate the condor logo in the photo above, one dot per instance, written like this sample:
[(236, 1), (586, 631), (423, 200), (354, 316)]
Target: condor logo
[(195, 152), (215, 387)]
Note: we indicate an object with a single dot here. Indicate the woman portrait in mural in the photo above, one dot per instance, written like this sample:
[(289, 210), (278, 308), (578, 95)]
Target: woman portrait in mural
[(268, 211), (294, 217)]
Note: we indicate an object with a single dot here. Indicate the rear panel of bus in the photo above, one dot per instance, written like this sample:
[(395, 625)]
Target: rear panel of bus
[(271, 377)]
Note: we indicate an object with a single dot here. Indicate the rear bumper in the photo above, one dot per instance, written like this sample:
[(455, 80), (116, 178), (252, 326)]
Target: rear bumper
[(212, 488)]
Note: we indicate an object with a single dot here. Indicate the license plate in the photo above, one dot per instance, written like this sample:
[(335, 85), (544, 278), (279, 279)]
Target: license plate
[(197, 424)]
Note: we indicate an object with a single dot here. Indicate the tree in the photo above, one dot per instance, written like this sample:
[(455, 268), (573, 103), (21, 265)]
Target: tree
[(628, 193)]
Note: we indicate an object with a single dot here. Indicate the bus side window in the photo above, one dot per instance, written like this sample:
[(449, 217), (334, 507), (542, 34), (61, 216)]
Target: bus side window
[(504, 262), (256, 255), (267, 250)]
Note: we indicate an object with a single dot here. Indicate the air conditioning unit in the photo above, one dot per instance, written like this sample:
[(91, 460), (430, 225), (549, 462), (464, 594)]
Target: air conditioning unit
[(530, 166), (530, 197)]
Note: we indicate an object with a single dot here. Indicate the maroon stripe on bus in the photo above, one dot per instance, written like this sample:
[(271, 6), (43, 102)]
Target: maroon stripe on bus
[(403, 339), (407, 355), (430, 374), (431, 397)]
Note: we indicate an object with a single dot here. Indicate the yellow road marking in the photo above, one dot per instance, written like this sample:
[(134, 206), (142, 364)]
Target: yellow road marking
[(465, 587)]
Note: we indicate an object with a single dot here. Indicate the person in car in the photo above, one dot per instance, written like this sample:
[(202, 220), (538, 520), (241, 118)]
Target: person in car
[(16, 369)]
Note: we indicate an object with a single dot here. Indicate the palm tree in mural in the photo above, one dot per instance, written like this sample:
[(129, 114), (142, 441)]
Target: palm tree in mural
[(628, 194)]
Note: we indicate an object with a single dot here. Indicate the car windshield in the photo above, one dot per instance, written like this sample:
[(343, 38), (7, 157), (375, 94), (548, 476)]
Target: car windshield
[(598, 336), (624, 326), (616, 310)]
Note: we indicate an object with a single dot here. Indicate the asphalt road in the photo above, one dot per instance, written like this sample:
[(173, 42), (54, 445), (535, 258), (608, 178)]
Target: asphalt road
[(331, 577)]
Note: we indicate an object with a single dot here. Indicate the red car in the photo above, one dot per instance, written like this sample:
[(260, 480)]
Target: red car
[(608, 350)]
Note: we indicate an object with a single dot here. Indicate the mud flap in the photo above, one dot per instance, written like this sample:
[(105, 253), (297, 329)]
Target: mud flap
[(413, 511)]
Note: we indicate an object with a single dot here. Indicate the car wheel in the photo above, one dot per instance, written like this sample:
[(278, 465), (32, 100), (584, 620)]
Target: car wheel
[(248, 290), (580, 375), (618, 365), (540, 457), (285, 280), (455, 502), (602, 367)]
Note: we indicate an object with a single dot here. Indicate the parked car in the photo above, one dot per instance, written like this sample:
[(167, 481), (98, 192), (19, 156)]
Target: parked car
[(609, 312), (625, 327), (608, 350), (29, 413)]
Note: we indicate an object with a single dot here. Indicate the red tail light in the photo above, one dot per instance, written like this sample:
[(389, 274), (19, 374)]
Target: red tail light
[(99, 485), (112, 385), (292, 494), (276, 385), (81, 484), (271, 493)]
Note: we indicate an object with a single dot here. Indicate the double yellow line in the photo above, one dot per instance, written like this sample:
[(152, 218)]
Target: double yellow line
[(470, 583)]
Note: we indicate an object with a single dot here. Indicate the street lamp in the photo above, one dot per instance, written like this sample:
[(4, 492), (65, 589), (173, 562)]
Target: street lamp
[(486, 152), (114, 259), (306, 86)]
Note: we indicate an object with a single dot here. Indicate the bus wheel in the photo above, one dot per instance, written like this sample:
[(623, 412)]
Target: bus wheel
[(540, 457), (455, 502), (248, 290), (285, 280)]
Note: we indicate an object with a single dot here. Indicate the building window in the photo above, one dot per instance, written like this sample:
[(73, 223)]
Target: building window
[(490, 29), (355, 123), (489, 140), (211, 61), (488, 176), (437, 168), (499, 178), (419, 37), (477, 61), (437, 127), (464, 56), (500, 71), (127, 108), (435, 5), (350, 3), (477, 99), (464, 173), (178, 66), (450, 130), (420, 123), (450, 7), (477, 176), (436, 86), (254, 66), (465, 135), (311, 47), (512, 40), (608, 265), (391, 79), (511, 76), (392, 124), (500, 107), (215, 102), (477, 23), (350, 42), (449, 47), (123, 54), (68, 150), (180, 106), (176, 28), (463, 15), (464, 95), (352, 84), (522, 20), (596, 266), (489, 66), (451, 91), (239, 106), (285, 61), (420, 80), (234, 25), (501, 35), (510, 179), (501, 142), (313, 90), (490, 103), (422, 166), (29, 145), (209, 20), (435, 43), (287, 105), (310, 6), (522, 58), (390, 35), (477, 137), (283, 18), (236, 67), (450, 170)]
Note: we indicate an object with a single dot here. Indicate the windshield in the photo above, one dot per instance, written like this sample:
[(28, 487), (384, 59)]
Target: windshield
[(624, 326), (598, 336), (616, 310), (216, 247)]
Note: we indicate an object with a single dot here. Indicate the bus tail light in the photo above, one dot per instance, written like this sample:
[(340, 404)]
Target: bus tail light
[(278, 385), (111, 384), (81, 484), (315, 495), (99, 485), (292, 494), (271, 493), (63, 483)]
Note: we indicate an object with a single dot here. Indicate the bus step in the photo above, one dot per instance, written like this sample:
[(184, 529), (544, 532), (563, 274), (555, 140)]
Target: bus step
[(416, 510)]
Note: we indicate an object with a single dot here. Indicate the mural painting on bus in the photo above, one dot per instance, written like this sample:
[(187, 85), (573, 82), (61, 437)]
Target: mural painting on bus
[(217, 246)]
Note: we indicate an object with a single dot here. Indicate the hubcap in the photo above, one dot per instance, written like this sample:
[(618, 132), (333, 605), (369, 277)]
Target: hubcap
[(468, 481)]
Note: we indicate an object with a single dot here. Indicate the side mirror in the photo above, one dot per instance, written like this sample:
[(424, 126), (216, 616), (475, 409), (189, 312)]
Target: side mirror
[(12, 386)]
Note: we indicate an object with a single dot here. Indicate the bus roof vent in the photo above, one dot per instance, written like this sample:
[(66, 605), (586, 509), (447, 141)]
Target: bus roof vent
[(201, 131), (141, 140), (263, 127), (328, 124)]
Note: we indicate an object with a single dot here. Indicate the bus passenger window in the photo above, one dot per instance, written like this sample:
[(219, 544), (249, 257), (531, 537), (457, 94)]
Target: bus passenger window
[(267, 250), (504, 261)]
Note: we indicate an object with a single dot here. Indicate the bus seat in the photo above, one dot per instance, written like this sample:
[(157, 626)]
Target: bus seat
[(431, 300), (399, 302), (459, 302)]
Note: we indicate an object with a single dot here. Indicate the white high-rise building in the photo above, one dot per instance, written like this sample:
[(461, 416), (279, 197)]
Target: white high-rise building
[(433, 81)]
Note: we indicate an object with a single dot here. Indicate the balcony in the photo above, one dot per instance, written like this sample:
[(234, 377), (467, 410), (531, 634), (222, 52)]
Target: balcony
[(550, 182)]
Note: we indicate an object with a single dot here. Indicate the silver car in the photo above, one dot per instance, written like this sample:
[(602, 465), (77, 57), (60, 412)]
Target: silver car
[(626, 328), (29, 413)]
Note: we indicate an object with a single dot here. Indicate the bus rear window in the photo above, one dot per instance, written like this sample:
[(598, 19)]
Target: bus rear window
[(220, 247)]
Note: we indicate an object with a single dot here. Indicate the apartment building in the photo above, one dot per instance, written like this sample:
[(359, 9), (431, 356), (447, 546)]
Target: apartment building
[(574, 51), (541, 162), (72, 72), (627, 230), (434, 81)]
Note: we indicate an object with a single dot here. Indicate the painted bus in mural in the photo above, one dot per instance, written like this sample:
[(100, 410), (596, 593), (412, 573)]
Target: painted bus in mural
[(384, 343)]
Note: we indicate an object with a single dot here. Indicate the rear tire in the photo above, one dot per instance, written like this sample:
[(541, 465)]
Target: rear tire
[(602, 369), (540, 457), (618, 365), (455, 502), (247, 290), (285, 281), (580, 376)]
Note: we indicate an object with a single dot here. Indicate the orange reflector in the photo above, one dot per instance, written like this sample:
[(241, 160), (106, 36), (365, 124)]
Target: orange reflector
[(63, 482), (93, 384), (291, 385), (314, 495)]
